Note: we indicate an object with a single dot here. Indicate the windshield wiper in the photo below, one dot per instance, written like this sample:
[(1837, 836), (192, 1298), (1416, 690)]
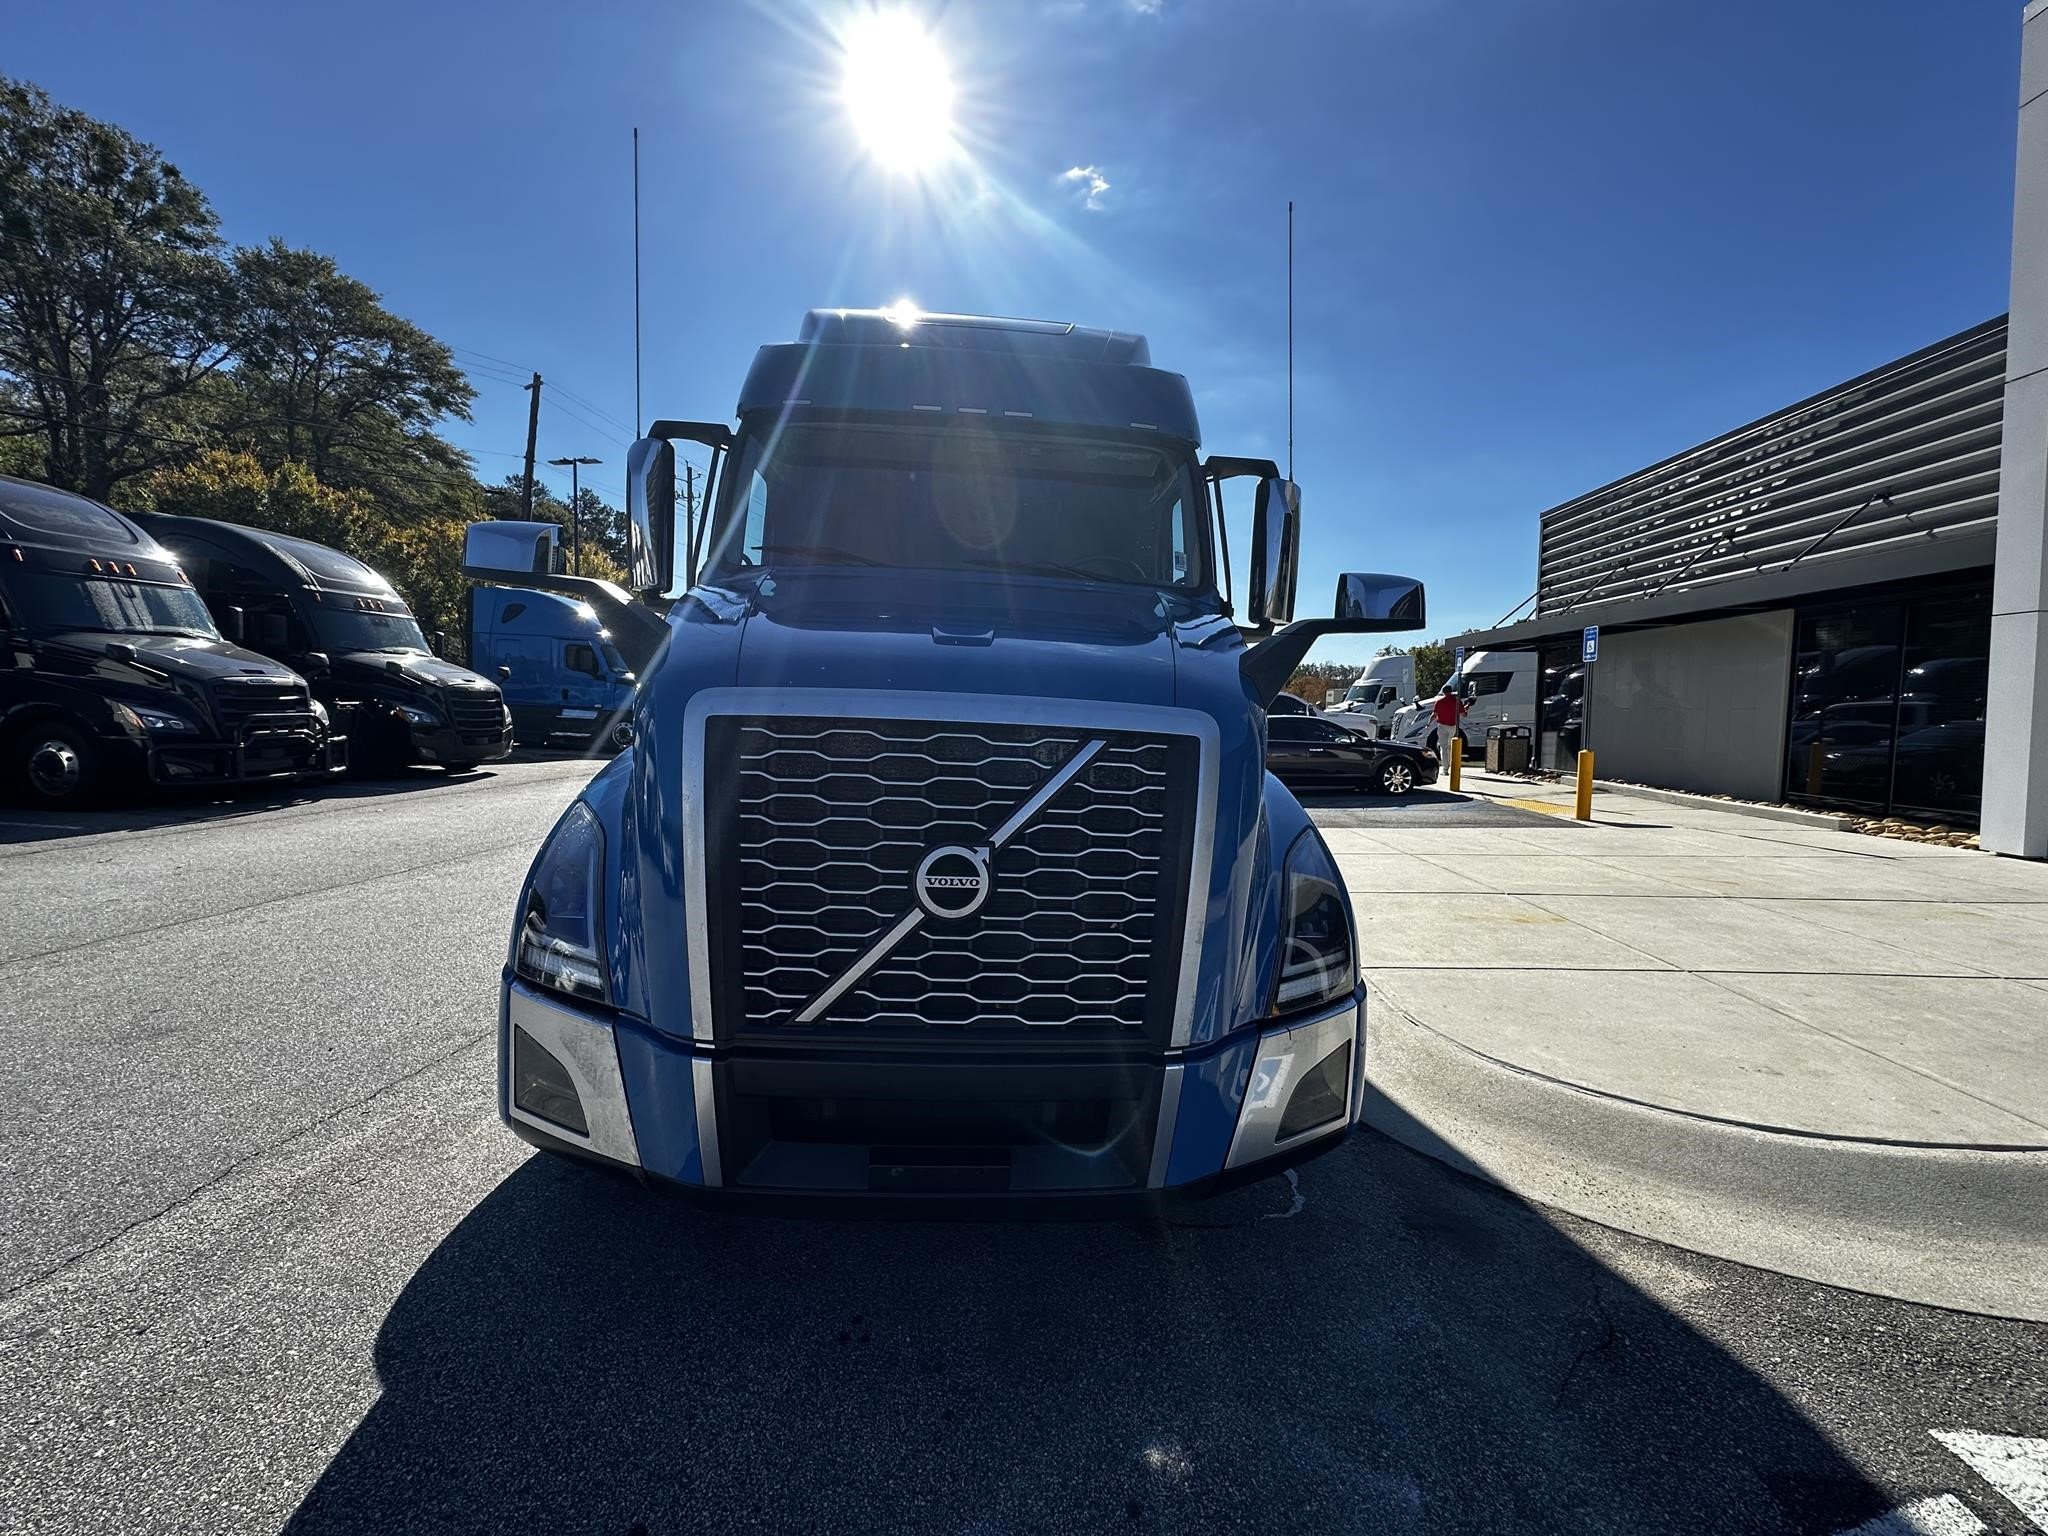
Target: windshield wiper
[(828, 554)]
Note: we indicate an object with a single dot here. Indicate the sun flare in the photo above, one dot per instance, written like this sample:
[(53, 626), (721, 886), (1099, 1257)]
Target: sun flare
[(897, 91)]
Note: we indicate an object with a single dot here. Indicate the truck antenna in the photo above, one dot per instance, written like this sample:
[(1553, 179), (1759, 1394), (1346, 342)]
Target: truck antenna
[(638, 419), (1290, 338)]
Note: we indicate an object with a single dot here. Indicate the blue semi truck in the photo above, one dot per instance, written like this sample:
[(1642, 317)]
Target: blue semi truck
[(562, 676), (944, 865)]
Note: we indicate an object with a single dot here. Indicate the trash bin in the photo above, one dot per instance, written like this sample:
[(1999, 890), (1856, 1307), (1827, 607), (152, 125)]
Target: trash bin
[(1508, 748)]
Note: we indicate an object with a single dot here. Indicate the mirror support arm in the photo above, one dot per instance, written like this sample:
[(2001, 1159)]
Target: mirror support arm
[(637, 630), (1267, 666)]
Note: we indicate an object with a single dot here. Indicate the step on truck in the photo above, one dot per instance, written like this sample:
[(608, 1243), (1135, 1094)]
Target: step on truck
[(943, 864), (115, 677)]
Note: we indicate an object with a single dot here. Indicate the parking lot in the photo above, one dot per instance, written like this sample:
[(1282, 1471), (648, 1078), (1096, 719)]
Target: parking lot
[(273, 1264)]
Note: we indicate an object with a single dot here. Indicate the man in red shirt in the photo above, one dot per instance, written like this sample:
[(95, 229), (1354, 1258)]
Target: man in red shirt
[(1449, 710)]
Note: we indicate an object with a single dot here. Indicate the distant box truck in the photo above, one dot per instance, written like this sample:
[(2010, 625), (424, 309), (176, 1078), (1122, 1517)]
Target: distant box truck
[(347, 629), (944, 865), (562, 676), (118, 675)]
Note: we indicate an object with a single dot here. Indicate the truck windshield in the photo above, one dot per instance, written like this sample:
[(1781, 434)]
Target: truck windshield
[(357, 629), (51, 602), (962, 498)]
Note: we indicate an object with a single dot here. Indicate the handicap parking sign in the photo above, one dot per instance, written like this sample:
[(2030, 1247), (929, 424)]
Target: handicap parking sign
[(1592, 642)]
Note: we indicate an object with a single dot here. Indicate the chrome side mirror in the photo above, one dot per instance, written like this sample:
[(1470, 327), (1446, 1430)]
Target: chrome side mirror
[(651, 515), (1383, 602), (1276, 552)]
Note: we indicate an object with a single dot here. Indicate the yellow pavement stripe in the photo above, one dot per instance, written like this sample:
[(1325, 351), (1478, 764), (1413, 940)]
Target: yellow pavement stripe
[(1547, 807)]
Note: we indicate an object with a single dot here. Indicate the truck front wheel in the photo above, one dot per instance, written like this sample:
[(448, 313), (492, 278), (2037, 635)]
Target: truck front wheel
[(53, 764)]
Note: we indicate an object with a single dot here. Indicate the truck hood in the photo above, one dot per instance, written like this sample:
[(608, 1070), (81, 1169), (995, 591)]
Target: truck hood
[(959, 634), (413, 668), (186, 657)]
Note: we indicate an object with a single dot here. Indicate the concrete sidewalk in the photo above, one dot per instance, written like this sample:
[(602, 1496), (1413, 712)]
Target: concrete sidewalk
[(1787, 1045)]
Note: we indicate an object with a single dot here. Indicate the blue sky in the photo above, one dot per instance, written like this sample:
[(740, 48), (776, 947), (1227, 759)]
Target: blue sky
[(1540, 242)]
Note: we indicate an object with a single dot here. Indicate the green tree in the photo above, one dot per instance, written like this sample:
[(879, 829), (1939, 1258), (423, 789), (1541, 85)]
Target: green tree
[(328, 376), (115, 302), (1432, 666), (422, 558)]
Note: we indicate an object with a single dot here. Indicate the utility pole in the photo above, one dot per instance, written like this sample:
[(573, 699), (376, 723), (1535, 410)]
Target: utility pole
[(690, 520), (532, 432), (575, 509)]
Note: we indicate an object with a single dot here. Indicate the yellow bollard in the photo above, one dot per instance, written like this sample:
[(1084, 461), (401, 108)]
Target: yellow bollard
[(1457, 760), (1584, 810)]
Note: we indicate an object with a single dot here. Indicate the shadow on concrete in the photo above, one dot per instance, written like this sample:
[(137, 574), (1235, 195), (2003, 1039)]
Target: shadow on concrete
[(1408, 1351), (171, 808)]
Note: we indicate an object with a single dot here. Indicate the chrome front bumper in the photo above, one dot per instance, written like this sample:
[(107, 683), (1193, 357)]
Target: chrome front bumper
[(1281, 1063)]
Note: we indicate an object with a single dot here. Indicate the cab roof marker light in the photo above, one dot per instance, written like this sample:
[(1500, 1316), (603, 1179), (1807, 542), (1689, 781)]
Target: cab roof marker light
[(925, 407), (1020, 415), (1145, 426), (973, 410), (801, 402)]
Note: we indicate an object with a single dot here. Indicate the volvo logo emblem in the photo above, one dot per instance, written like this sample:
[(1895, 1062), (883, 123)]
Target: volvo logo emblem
[(952, 881)]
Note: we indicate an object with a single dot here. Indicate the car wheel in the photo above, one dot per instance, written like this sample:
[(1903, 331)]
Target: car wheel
[(53, 764), (1397, 777)]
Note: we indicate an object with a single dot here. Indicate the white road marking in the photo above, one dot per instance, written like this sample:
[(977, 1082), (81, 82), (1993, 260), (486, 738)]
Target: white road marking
[(1942, 1515), (2016, 1466)]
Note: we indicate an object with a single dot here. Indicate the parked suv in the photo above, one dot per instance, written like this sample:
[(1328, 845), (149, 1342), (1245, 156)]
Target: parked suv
[(347, 629), (117, 675)]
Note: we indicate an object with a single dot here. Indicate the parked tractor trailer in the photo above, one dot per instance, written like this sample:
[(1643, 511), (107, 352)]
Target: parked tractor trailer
[(944, 865)]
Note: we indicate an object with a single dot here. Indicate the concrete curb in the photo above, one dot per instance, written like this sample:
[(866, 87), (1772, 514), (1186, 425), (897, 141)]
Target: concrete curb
[(1950, 1228), (1827, 821)]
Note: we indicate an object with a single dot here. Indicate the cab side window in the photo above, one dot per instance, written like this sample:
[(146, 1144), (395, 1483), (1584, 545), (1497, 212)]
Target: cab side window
[(578, 657), (1479, 684)]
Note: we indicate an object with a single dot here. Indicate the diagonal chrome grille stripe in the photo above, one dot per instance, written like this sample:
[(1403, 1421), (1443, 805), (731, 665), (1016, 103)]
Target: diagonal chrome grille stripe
[(905, 925)]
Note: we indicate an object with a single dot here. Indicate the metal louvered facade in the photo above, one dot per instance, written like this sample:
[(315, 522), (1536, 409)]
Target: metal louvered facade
[(1903, 458)]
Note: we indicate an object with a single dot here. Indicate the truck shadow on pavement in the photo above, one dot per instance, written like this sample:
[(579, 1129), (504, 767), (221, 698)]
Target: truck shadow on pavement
[(26, 824), (1400, 1350)]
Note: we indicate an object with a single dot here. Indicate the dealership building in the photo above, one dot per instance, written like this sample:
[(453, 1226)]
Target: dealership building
[(1839, 605)]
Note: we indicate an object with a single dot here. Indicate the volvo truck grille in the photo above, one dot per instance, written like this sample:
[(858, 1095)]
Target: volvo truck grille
[(828, 836)]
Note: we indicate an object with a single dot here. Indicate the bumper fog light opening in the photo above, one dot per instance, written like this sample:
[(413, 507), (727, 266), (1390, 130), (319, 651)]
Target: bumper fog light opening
[(542, 1087), (1320, 1096)]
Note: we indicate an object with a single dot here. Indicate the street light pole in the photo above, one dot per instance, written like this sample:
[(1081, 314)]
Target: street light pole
[(575, 509)]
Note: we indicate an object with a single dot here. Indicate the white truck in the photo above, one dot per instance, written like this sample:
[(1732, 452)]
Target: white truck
[(1387, 684)]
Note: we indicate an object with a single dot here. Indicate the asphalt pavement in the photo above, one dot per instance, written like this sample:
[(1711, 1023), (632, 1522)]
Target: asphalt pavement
[(271, 1263)]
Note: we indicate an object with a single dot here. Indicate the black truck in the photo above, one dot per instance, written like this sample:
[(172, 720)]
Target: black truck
[(115, 675), (347, 629)]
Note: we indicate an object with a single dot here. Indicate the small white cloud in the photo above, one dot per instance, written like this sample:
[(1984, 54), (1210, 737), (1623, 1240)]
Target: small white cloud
[(1089, 181), (1147, 7)]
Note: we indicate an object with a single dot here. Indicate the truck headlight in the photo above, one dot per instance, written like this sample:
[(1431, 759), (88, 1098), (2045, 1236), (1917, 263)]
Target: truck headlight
[(1318, 961), (155, 721), (319, 712), (558, 946), (415, 714)]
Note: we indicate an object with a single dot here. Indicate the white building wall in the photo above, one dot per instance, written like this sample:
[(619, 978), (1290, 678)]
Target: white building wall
[(1695, 706), (2015, 816)]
